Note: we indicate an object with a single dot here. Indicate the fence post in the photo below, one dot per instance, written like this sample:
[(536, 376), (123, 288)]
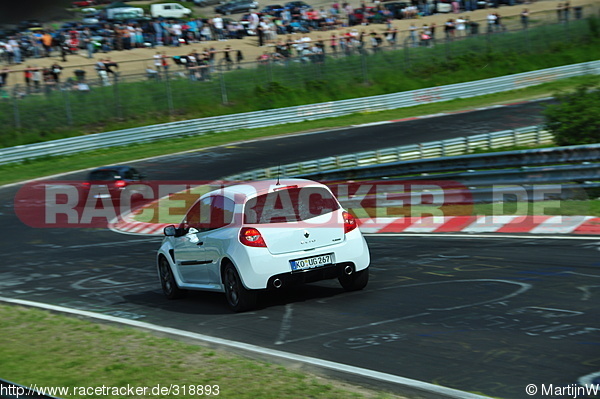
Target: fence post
[(406, 53), (365, 72), (118, 108), (68, 107), (169, 93), (224, 98), (17, 114)]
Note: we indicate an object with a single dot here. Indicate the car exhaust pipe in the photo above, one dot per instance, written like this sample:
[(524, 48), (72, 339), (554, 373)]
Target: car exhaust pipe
[(348, 270), (277, 283)]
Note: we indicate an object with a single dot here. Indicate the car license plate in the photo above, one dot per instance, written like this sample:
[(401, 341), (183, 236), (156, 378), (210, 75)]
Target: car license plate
[(312, 262)]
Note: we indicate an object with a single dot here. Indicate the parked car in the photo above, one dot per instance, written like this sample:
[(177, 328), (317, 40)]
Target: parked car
[(273, 9), (236, 6), (169, 10), (297, 4), (262, 235), (204, 3)]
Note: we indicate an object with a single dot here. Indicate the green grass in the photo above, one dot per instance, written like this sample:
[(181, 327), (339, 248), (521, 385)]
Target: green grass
[(52, 350), (48, 166)]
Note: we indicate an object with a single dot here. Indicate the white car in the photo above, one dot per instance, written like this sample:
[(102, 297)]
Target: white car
[(262, 235)]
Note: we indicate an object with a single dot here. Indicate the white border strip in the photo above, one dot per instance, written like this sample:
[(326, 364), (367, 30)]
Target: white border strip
[(323, 364)]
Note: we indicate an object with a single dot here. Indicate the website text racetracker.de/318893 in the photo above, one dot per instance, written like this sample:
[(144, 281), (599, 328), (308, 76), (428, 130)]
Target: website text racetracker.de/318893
[(104, 390)]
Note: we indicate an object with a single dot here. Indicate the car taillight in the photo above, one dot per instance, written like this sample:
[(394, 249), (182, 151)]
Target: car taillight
[(120, 183), (349, 222), (86, 184), (251, 237)]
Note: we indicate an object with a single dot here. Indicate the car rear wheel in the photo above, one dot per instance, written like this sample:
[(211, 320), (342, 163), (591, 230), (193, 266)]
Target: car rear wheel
[(238, 297), (167, 280), (355, 281)]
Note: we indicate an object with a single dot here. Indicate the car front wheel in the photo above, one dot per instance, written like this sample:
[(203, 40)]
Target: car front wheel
[(238, 297), (355, 281), (167, 280)]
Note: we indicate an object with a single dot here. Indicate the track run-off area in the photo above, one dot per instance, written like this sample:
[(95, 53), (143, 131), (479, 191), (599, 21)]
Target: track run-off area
[(484, 314)]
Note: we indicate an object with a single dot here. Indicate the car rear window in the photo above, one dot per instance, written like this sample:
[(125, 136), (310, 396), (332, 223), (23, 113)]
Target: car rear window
[(289, 205), (103, 175)]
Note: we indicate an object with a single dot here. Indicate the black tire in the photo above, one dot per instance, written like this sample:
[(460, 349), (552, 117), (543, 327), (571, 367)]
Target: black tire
[(238, 297), (167, 280), (356, 281)]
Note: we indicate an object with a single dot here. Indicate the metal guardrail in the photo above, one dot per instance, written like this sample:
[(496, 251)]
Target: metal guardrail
[(476, 166), (546, 174), (343, 166), (258, 119)]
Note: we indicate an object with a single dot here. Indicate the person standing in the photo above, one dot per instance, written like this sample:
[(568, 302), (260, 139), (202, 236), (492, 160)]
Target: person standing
[(217, 22), (13, 44), (28, 75), (157, 61), (334, 42), (460, 25), (559, 12), (227, 57), (4, 76), (239, 57), (86, 36), (525, 18), (413, 35), (55, 71), (491, 21), (260, 32), (36, 76), (47, 40), (164, 63)]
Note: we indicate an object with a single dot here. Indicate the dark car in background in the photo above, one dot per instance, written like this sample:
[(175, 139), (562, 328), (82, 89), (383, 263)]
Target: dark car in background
[(204, 3), (110, 181), (236, 6), (297, 4), (273, 9)]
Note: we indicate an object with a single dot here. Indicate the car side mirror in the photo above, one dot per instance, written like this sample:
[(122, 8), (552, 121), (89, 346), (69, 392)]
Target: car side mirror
[(170, 231)]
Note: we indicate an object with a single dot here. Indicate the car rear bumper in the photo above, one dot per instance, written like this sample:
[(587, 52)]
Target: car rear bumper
[(311, 275), (258, 268)]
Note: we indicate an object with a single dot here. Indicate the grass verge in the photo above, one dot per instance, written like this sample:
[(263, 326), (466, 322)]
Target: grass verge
[(45, 349)]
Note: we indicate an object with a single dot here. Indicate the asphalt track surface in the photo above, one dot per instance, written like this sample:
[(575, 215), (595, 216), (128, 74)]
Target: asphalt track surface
[(486, 315)]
